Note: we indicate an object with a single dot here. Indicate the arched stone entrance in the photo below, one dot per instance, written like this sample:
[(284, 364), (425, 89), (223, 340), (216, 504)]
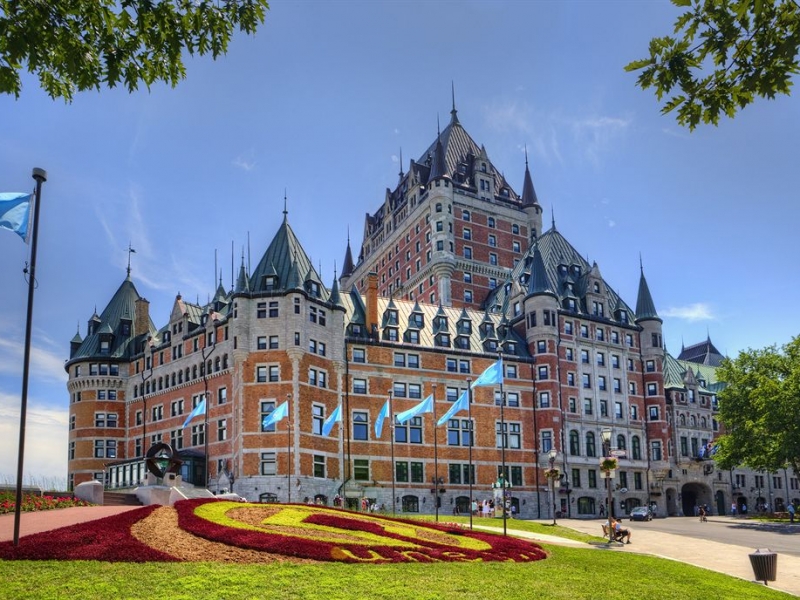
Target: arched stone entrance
[(693, 495)]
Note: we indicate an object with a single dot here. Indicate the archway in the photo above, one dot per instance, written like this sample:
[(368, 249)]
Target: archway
[(693, 496), (721, 508)]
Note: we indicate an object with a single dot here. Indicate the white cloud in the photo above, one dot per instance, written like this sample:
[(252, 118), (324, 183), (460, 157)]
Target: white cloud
[(395, 158), (46, 436), (611, 222), (699, 311), (243, 163), (595, 134), (47, 365)]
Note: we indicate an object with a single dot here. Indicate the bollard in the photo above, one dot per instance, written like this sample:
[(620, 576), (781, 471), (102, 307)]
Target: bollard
[(765, 565)]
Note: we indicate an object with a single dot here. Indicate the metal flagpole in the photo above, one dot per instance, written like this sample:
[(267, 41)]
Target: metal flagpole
[(471, 429), (503, 438), (435, 458), (40, 175), (289, 413), (391, 433)]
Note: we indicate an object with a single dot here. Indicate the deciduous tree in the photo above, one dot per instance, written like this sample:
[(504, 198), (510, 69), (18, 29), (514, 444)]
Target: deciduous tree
[(724, 54), (760, 409), (86, 44)]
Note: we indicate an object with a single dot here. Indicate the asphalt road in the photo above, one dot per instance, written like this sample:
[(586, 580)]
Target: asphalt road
[(778, 537)]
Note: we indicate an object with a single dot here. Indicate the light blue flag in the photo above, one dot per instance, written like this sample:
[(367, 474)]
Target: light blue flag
[(15, 210), (426, 406), (200, 409), (381, 418), (276, 415), (493, 375), (335, 417), (461, 404)]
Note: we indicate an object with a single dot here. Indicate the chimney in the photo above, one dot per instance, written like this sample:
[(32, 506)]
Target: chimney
[(141, 323), (372, 301)]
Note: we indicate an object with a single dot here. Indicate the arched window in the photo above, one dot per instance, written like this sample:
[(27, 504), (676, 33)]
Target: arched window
[(224, 361), (590, 449), (682, 419), (574, 443), (636, 448), (410, 504), (216, 364), (693, 421), (703, 422), (621, 445)]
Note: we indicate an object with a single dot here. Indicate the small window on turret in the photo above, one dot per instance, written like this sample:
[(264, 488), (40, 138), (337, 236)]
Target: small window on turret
[(596, 287)]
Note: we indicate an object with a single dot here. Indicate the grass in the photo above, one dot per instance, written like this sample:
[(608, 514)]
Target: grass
[(568, 573)]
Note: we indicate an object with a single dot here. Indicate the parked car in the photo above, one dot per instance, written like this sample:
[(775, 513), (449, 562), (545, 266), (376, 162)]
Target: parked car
[(641, 513)]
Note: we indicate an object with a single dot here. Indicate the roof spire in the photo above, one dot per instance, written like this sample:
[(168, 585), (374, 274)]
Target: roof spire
[(553, 217), (347, 267), (130, 251), (453, 111), (285, 212), (528, 193), (401, 168), (645, 308)]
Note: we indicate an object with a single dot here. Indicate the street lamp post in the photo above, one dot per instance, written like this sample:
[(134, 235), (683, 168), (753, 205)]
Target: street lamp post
[(552, 476), (606, 435), (206, 369)]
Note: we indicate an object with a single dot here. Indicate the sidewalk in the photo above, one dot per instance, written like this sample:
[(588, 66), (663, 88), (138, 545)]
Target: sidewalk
[(45, 520), (715, 556)]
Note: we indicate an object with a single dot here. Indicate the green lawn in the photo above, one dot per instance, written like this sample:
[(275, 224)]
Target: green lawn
[(567, 573)]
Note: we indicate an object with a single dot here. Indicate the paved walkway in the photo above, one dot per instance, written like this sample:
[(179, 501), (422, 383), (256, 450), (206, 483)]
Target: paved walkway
[(45, 520), (715, 556)]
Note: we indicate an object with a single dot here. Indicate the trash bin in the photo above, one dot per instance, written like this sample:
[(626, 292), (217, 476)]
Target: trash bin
[(765, 565)]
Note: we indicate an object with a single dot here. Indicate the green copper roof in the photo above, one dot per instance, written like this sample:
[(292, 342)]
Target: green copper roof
[(285, 259), (117, 318), (645, 309)]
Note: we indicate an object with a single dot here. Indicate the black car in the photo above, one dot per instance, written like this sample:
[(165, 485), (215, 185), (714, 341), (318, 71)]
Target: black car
[(641, 513)]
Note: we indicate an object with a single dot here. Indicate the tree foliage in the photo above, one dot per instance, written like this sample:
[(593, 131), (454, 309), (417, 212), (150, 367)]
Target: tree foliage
[(760, 409), (85, 44), (724, 54)]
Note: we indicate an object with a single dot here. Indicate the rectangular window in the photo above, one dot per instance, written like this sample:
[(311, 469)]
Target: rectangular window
[(547, 441), (261, 310), (359, 355), (269, 463), (267, 406), (261, 342), (576, 478), (618, 410), (222, 395), (261, 374), (592, 478), (587, 406), (603, 408), (399, 390), (652, 389), (654, 414), (222, 430), (360, 426), (601, 382), (361, 469), (319, 466), (511, 371), (317, 418), (512, 438), (409, 432), (585, 357), (274, 375), (459, 432), (359, 386), (413, 361), (544, 399), (586, 380), (399, 359), (414, 390)]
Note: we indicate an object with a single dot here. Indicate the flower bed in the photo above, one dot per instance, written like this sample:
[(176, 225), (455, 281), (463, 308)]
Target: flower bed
[(31, 502), (236, 532)]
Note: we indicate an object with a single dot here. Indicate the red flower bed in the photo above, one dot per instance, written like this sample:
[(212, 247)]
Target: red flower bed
[(107, 539), (304, 545)]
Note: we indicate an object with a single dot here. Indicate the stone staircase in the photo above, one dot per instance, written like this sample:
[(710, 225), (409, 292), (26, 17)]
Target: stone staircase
[(120, 499)]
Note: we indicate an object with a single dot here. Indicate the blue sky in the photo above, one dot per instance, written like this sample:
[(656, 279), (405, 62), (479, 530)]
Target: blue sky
[(319, 103)]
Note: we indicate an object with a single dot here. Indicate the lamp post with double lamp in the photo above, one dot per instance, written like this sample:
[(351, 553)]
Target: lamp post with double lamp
[(552, 475), (606, 468)]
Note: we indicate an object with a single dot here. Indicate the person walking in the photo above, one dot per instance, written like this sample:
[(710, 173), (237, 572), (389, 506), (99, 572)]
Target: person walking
[(791, 510)]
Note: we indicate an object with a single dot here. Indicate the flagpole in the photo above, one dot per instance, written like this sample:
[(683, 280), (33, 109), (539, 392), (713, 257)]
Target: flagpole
[(471, 429), (503, 438), (391, 433), (435, 458), (40, 175), (289, 413)]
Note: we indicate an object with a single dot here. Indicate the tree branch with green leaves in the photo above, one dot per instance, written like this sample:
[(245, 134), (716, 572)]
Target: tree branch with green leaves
[(78, 45), (724, 54), (759, 409)]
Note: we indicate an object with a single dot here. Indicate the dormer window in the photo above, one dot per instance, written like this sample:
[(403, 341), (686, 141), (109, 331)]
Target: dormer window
[(391, 317), (562, 269), (490, 345), (417, 320), (313, 288), (442, 339), (125, 329), (575, 270), (105, 346), (596, 287), (269, 282)]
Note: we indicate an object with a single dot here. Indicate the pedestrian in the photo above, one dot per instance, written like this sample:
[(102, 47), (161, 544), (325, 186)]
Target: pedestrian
[(602, 511), (733, 509), (791, 510)]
